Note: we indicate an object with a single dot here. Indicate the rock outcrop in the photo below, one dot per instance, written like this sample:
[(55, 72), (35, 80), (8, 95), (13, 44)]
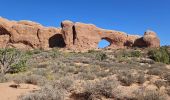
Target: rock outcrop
[(151, 39), (75, 36)]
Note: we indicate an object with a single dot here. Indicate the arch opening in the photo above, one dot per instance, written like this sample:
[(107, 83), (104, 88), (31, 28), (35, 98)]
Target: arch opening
[(104, 43), (57, 41)]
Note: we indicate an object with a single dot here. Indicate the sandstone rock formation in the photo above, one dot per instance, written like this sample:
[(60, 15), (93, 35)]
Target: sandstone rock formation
[(151, 39), (75, 36)]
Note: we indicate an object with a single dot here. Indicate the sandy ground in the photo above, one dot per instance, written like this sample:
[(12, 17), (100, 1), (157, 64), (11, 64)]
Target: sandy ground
[(10, 93)]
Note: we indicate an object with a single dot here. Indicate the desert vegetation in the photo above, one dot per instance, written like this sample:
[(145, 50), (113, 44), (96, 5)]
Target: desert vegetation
[(123, 74)]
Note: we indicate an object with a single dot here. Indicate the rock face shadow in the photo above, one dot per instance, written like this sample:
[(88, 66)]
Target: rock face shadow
[(56, 40)]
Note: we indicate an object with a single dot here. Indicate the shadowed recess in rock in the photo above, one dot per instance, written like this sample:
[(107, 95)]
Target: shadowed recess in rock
[(103, 43), (57, 41)]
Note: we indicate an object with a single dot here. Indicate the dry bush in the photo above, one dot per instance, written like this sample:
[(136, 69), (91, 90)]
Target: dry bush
[(29, 79), (155, 71), (149, 95), (54, 90), (168, 90), (160, 83), (93, 91), (3, 78), (46, 93)]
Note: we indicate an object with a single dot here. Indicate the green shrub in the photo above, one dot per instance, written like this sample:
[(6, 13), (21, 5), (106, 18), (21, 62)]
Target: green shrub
[(135, 54), (126, 54), (55, 53), (91, 51), (160, 55), (12, 60), (101, 56)]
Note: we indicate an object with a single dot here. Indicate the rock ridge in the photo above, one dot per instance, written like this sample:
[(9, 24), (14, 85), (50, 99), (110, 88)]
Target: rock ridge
[(29, 35)]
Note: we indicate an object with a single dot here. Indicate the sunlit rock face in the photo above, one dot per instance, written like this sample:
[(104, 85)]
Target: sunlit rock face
[(74, 36)]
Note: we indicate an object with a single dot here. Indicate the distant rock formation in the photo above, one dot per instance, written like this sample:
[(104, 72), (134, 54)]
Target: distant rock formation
[(75, 36)]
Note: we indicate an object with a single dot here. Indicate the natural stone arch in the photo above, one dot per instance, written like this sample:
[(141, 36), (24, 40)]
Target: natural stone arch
[(108, 40), (103, 43)]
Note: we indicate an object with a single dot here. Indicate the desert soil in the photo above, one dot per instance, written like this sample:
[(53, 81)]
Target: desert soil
[(10, 93)]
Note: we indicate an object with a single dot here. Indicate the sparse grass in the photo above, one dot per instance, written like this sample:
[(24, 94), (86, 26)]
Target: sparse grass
[(155, 71), (46, 93), (57, 72), (150, 95), (97, 90), (2, 78), (160, 83), (168, 90), (126, 78)]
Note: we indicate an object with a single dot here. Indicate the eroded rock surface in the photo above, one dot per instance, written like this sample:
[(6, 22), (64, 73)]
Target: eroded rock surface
[(74, 36)]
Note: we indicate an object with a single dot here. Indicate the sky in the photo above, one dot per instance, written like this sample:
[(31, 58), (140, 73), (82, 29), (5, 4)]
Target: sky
[(130, 16)]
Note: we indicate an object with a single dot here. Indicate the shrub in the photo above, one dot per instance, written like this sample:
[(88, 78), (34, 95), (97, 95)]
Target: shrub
[(35, 79), (55, 53), (63, 83), (29, 79), (167, 77), (160, 83), (155, 71), (12, 61), (86, 76), (168, 90), (99, 89), (135, 54), (160, 55), (126, 78), (149, 95), (46, 93), (101, 56), (2, 78), (141, 78)]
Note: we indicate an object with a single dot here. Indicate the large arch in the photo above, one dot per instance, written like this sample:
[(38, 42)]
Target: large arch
[(104, 43)]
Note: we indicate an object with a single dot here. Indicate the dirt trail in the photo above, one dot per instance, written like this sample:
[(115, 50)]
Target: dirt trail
[(10, 93)]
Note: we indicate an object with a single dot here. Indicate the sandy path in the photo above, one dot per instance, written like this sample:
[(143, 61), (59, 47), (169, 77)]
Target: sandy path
[(9, 93)]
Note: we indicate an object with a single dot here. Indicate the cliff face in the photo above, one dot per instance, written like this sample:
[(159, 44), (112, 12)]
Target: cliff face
[(76, 36)]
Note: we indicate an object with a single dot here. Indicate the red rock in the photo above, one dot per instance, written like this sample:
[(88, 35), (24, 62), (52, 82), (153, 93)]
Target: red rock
[(151, 39), (67, 31), (75, 36)]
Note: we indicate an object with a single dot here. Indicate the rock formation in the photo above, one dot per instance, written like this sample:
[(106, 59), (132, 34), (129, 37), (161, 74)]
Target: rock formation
[(75, 36)]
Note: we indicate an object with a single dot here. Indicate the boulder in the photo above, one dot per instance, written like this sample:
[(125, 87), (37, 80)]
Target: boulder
[(151, 39)]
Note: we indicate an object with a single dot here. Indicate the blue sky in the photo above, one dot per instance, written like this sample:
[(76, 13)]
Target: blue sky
[(130, 16)]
